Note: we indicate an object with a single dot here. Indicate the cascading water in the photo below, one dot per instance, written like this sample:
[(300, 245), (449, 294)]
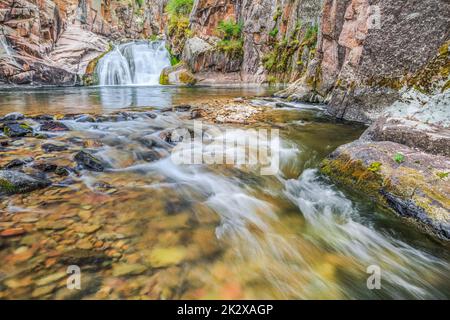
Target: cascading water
[(6, 52), (133, 63)]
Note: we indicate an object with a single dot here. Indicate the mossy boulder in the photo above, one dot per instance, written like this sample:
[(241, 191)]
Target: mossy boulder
[(17, 129), (415, 188), (17, 182), (177, 75)]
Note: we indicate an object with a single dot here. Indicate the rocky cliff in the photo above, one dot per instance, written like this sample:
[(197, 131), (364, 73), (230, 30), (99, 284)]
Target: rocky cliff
[(275, 39), (52, 42), (369, 50)]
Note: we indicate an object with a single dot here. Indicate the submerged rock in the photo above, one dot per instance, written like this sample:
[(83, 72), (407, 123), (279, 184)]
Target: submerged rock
[(412, 183), (89, 162), (17, 163), (53, 126), (16, 129), (50, 147), (18, 182)]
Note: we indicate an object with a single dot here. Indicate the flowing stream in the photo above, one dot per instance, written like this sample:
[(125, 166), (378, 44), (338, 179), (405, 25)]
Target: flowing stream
[(211, 231), (133, 63)]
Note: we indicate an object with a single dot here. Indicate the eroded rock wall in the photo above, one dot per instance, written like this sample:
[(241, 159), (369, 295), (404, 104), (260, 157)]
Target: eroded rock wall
[(369, 50), (52, 42)]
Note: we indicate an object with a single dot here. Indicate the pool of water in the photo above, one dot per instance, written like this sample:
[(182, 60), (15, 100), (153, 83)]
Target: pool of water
[(107, 99), (161, 230)]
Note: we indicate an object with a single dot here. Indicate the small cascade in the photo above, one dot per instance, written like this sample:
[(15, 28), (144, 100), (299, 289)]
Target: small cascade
[(133, 63), (6, 52)]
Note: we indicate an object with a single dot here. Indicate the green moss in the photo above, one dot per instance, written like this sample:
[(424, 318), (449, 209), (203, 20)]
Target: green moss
[(164, 79), (425, 79), (90, 78), (353, 173), (442, 175), (187, 78), (232, 47), (375, 167), (6, 186), (277, 14)]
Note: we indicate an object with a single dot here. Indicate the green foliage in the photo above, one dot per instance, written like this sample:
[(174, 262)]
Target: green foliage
[(231, 33), (140, 3), (230, 30), (274, 32), (179, 7), (310, 38), (174, 60), (277, 14), (375, 167), (399, 158), (442, 175), (233, 47)]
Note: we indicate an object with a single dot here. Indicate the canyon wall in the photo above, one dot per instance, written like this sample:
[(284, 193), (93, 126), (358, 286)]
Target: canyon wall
[(52, 42), (368, 51)]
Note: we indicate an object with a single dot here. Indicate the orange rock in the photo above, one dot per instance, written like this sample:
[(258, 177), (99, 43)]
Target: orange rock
[(12, 232)]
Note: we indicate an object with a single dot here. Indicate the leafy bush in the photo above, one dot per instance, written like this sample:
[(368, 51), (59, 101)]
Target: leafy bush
[(230, 30), (232, 42), (179, 7), (234, 47)]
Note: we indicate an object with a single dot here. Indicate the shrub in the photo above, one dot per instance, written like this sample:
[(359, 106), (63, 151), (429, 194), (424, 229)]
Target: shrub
[(234, 47), (230, 30), (179, 7)]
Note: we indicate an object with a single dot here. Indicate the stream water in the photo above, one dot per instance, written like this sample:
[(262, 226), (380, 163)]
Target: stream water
[(164, 231)]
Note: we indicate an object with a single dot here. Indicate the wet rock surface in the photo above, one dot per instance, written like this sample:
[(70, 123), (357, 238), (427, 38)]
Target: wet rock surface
[(412, 183), (18, 182)]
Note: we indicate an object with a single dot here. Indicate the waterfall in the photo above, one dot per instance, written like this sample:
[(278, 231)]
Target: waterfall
[(6, 52), (133, 63)]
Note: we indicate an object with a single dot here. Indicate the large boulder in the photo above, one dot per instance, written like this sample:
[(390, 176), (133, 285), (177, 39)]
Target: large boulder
[(412, 183), (177, 75)]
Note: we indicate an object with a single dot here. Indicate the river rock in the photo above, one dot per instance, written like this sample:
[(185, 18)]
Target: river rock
[(14, 116), (121, 270), (85, 118), (53, 126), (45, 167), (84, 257), (89, 162), (50, 147), (412, 183), (16, 163), (18, 182), (16, 129)]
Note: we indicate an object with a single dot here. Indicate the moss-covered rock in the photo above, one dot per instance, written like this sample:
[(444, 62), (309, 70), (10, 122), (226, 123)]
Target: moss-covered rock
[(17, 182), (177, 75), (413, 188), (89, 78)]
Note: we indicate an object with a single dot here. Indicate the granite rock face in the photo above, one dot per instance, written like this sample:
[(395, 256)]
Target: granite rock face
[(52, 42), (368, 50), (415, 185)]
